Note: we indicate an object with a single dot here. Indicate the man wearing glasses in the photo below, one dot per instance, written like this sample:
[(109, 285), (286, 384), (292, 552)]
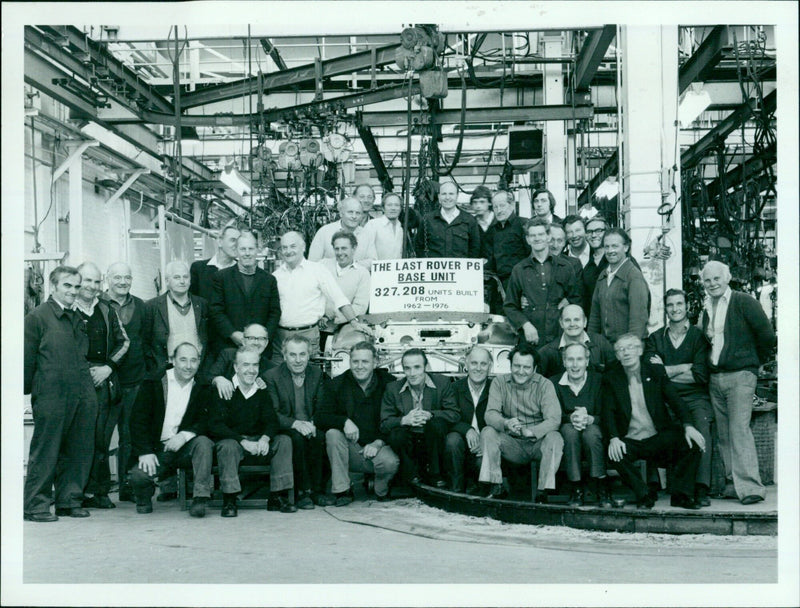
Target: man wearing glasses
[(256, 338), (595, 229)]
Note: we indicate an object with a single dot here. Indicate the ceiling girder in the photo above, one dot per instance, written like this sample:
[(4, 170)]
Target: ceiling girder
[(705, 58), (591, 56), (695, 153), (270, 50), (752, 166), (610, 167), (485, 115), (375, 156), (294, 76)]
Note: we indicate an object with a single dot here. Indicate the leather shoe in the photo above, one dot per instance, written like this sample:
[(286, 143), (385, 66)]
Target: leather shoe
[(498, 492), (229, 509), (473, 489), (344, 498), (282, 504), (167, 496), (40, 517), (648, 501), (72, 512), (576, 497), (144, 507), (385, 498), (305, 502), (752, 499), (98, 502), (701, 496), (126, 494), (198, 508), (415, 481), (323, 500), (542, 498), (683, 501)]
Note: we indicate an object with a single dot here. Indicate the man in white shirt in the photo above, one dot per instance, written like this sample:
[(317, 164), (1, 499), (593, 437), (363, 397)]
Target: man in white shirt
[(382, 237), (303, 287), (353, 280), (168, 426), (350, 213)]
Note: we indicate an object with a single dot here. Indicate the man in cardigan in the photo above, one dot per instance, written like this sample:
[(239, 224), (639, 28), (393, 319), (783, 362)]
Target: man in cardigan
[(522, 420), (297, 391), (636, 395), (572, 321), (578, 391), (416, 413), (168, 423), (683, 351), (463, 442), (741, 339), (245, 428), (174, 317), (131, 370), (351, 418)]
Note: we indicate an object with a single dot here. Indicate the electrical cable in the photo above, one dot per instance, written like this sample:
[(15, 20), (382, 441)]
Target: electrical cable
[(457, 155)]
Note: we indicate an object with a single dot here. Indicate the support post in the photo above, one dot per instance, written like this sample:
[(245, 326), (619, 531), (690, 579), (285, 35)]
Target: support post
[(76, 206), (162, 243), (127, 184), (555, 132), (77, 152), (647, 155)]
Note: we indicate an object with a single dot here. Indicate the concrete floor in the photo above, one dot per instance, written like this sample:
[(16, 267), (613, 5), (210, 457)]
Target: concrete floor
[(368, 542)]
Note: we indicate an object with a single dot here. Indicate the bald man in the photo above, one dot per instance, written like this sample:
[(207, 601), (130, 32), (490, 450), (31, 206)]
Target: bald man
[(351, 214), (244, 294), (108, 344), (448, 232), (305, 288), (131, 370), (174, 317)]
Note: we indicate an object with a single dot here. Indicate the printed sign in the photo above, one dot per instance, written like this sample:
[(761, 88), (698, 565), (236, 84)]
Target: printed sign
[(427, 284)]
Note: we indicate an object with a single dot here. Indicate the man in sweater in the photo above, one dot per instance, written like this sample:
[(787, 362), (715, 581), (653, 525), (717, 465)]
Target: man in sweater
[(108, 344), (131, 370), (63, 400), (462, 449), (221, 372), (448, 232), (416, 413), (683, 351), (245, 429), (573, 331), (168, 426), (203, 271), (351, 420), (741, 339), (522, 421)]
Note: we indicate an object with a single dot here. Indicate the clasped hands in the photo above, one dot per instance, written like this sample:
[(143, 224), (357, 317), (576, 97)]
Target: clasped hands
[(305, 427), (580, 418), (514, 427), (256, 448), (416, 418)]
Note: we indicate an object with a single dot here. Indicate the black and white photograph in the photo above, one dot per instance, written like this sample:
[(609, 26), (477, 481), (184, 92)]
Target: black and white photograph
[(371, 303)]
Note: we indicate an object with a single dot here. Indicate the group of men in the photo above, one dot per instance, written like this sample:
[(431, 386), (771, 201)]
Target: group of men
[(218, 365)]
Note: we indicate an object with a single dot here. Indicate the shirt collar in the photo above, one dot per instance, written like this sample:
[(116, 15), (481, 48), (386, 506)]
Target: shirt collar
[(284, 266), (215, 262), (428, 382), (707, 301), (582, 339), (248, 394), (107, 297), (684, 324), (87, 311), (171, 379), (471, 386)]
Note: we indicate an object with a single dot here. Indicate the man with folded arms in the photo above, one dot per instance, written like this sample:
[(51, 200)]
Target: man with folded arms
[(522, 421), (245, 428), (168, 426), (352, 417)]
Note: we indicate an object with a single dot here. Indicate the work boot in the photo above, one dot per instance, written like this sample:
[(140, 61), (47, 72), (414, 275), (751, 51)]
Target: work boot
[(280, 503), (198, 508)]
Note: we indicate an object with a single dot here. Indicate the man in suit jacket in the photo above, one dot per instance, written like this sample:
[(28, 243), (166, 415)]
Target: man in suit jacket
[(463, 442), (220, 373), (168, 423), (244, 294), (416, 413), (298, 390), (174, 317), (638, 425), (352, 417), (203, 271), (741, 339)]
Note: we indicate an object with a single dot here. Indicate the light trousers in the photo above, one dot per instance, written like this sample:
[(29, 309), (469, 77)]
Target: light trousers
[(496, 446), (346, 456)]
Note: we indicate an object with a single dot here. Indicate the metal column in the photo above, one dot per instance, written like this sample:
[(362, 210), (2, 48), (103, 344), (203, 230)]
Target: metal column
[(74, 164), (648, 153), (555, 131)]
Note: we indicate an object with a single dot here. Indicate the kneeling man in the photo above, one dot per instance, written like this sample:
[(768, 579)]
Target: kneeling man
[(522, 421), (352, 417), (245, 428), (168, 423), (639, 426)]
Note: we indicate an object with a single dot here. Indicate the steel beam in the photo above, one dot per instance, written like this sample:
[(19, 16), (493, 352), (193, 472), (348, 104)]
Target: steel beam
[(591, 56), (270, 50), (126, 184), (294, 76), (705, 58), (461, 171), (716, 136), (752, 166), (99, 56), (375, 156), (611, 167), (485, 115), (77, 151)]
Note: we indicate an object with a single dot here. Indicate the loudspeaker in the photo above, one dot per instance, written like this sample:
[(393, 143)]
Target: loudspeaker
[(524, 146)]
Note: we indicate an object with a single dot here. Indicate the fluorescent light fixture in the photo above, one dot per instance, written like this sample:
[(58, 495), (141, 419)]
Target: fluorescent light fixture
[(609, 188), (234, 180), (693, 102)]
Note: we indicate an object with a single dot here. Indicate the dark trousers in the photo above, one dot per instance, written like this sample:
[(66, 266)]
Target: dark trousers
[(107, 416), (197, 453), (230, 454), (123, 427), (665, 449), (702, 417), (459, 462), (307, 456), (419, 451), (61, 447)]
